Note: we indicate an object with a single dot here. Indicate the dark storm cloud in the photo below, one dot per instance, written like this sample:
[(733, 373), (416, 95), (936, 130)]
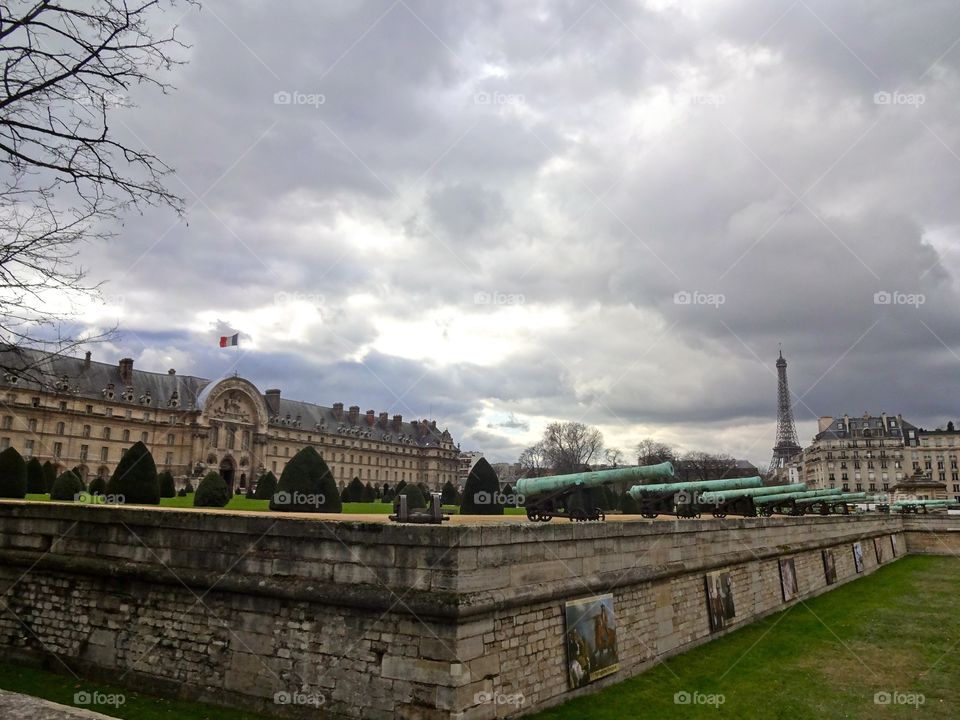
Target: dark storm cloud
[(522, 197)]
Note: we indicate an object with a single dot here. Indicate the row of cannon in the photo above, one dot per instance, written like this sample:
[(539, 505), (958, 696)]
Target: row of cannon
[(577, 496)]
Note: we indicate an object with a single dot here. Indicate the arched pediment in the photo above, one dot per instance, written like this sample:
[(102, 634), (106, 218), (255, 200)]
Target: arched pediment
[(234, 400)]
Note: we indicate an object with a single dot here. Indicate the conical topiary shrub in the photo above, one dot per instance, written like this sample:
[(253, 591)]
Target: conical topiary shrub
[(66, 487), (354, 491), (481, 494), (13, 474), (135, 479), (49, 476), (414, 495), (448, 495), (306, 485), (35, 480), (98, 486), (168, 488), (212, 491), (369, 494), (266, 486), (81, 474)]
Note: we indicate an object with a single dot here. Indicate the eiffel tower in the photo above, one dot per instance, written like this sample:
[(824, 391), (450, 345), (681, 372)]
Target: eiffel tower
[(787, 445)]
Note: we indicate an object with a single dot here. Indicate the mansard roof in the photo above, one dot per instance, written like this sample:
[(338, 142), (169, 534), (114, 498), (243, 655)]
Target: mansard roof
[(891, 426)]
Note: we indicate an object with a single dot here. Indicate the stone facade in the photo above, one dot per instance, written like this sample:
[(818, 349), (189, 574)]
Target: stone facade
[(376, 620), (80, 413)]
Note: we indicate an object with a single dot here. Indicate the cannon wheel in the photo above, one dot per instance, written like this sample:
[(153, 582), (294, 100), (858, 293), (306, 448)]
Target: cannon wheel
[(546, 517), (719, 514), (578, 515), (533, 515), (649, 516), (598, 514)]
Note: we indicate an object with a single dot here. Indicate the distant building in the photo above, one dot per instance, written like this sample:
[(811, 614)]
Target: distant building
[(713, 468), (80, 413), (465, 464)]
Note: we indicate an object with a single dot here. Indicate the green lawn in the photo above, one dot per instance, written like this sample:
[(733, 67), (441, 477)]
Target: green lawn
[(896, 631), (240, 502)]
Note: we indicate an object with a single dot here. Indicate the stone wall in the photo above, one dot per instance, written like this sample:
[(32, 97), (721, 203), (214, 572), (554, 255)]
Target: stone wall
[(375, 620)]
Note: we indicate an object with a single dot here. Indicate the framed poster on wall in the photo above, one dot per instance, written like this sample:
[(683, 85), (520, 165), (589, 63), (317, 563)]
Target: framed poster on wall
[(720, 607), (591, 639), (829, 567)]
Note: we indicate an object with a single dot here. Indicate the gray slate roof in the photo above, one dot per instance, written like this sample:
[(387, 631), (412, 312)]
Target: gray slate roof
[(25, 369)]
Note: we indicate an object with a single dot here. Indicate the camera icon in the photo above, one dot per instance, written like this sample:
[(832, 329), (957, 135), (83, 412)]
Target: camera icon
[(882, 698), (882, 98), (82, 697), (483, 697), (281, 698), (682, 698), (482, 498), (282, 98), (882, 298), (682, 298), (282, 498), (481, 98), (481, 298)]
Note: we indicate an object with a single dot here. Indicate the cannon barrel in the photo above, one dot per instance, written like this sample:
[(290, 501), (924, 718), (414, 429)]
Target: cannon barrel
[(764, 499), (552, 483), (641, 491), (843, 497), (713, 497), (924, 503)]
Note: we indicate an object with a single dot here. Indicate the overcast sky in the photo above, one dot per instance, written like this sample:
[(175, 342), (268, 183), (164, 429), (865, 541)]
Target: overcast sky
[(492, 213)]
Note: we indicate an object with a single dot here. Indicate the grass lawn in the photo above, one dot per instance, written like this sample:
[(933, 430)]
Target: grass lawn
[(895, 631), (240, 502)]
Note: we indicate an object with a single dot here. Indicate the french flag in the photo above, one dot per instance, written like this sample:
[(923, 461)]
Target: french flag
[(229, 340)]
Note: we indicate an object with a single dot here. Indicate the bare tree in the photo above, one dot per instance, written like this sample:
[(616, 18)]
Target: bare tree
[(64, 174), (699, 465), (653, 452), (570, 446), (613, 456), (533, 460)]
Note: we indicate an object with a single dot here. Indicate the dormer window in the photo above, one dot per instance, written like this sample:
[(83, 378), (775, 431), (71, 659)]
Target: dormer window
[(108, 391), (174, 399), (145, 399), (127, 395)]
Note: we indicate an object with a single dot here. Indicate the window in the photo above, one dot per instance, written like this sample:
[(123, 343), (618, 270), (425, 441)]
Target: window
[(126, 436), (84, 451), (106, 433), (89, 409), (57, 449), (63, 405), (168, 459), (35, 402), (32, 425), (7, 422), (170, 439), (4, 443), (86, 431), (143, 437), (104, 453), (61, 428), (28, 448), (108, 412)]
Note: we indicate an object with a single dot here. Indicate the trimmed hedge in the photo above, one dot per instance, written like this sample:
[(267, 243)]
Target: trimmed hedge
[(66, 487), (448, 495), (212, 491), (98, 486), (49, 476), (13, 474), (168, 488), (36, 484), (481, 494), (135, 479), (415, 498), (266, 486), (353, 492), (306, 485)]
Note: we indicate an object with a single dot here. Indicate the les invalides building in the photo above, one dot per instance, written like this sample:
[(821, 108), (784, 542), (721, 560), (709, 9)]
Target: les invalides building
[(76, 412)]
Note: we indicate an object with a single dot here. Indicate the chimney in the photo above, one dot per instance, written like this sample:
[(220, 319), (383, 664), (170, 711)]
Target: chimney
[(371, 418), (433, 424), (397, 422), (172, 371), (86, 361), (354, 415), (272, 398), (384, 420), (126, 371), (823, 423), (338, 411)]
